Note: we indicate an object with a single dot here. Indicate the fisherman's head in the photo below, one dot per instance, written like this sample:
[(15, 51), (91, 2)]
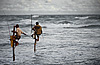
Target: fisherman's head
[(37, 23), (17, 25)]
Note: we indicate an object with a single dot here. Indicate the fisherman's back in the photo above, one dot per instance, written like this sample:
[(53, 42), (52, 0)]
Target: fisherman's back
[(38, 29), (19, 31)]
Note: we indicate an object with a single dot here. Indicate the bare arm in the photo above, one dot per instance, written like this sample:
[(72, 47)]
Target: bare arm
[(14, 31), (24, 33), (33, 28)]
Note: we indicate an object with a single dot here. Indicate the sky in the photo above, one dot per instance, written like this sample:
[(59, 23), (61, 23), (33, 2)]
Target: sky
[(27, 7)]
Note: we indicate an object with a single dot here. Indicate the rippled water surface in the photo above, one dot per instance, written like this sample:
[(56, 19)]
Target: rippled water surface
[(66, 40)]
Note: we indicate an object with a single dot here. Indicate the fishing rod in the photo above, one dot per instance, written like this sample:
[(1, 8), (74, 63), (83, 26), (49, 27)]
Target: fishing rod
[(31, 23), (8, 26), (11, 38), (9, 29)]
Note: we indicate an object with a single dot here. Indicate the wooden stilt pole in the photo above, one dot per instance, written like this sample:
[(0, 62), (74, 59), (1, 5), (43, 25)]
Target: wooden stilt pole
[(35, 45), (13, 44)]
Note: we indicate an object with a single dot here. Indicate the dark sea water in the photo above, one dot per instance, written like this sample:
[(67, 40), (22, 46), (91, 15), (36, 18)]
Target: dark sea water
[(66, 40)]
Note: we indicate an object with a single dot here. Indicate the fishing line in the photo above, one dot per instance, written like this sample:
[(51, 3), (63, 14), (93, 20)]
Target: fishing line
[(28, 35)]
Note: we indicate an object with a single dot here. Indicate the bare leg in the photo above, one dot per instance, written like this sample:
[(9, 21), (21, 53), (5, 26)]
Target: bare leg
[(38, 38)]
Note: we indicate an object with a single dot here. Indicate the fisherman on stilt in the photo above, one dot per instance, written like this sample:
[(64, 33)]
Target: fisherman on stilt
[(37, 31), (18, 34)]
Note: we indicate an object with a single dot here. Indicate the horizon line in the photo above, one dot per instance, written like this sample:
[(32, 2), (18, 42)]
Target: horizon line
[(54, 14)]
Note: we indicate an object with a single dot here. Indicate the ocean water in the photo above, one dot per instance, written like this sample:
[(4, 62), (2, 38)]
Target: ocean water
[(66, 40)]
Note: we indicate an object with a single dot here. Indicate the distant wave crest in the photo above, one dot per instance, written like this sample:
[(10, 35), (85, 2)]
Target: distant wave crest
[(91, 26), (87, 17), (64, 22), (88, 26)]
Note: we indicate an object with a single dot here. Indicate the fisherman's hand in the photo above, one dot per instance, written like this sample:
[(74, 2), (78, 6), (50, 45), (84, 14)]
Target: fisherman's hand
[(15, 26), (14, 31), (33, 28), (24, 33)]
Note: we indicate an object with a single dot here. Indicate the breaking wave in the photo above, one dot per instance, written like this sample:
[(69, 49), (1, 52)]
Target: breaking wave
[(64, 22), (87, 17), (82, 17)]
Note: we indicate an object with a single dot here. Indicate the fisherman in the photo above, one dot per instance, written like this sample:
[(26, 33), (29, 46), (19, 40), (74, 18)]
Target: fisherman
[(37, 31), (18, 34)]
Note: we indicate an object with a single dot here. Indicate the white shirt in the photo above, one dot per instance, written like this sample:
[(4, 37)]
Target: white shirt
[(19, 31)]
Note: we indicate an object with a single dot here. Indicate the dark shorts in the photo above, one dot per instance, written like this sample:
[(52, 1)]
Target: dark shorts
[(38, 35), (18, 37)]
